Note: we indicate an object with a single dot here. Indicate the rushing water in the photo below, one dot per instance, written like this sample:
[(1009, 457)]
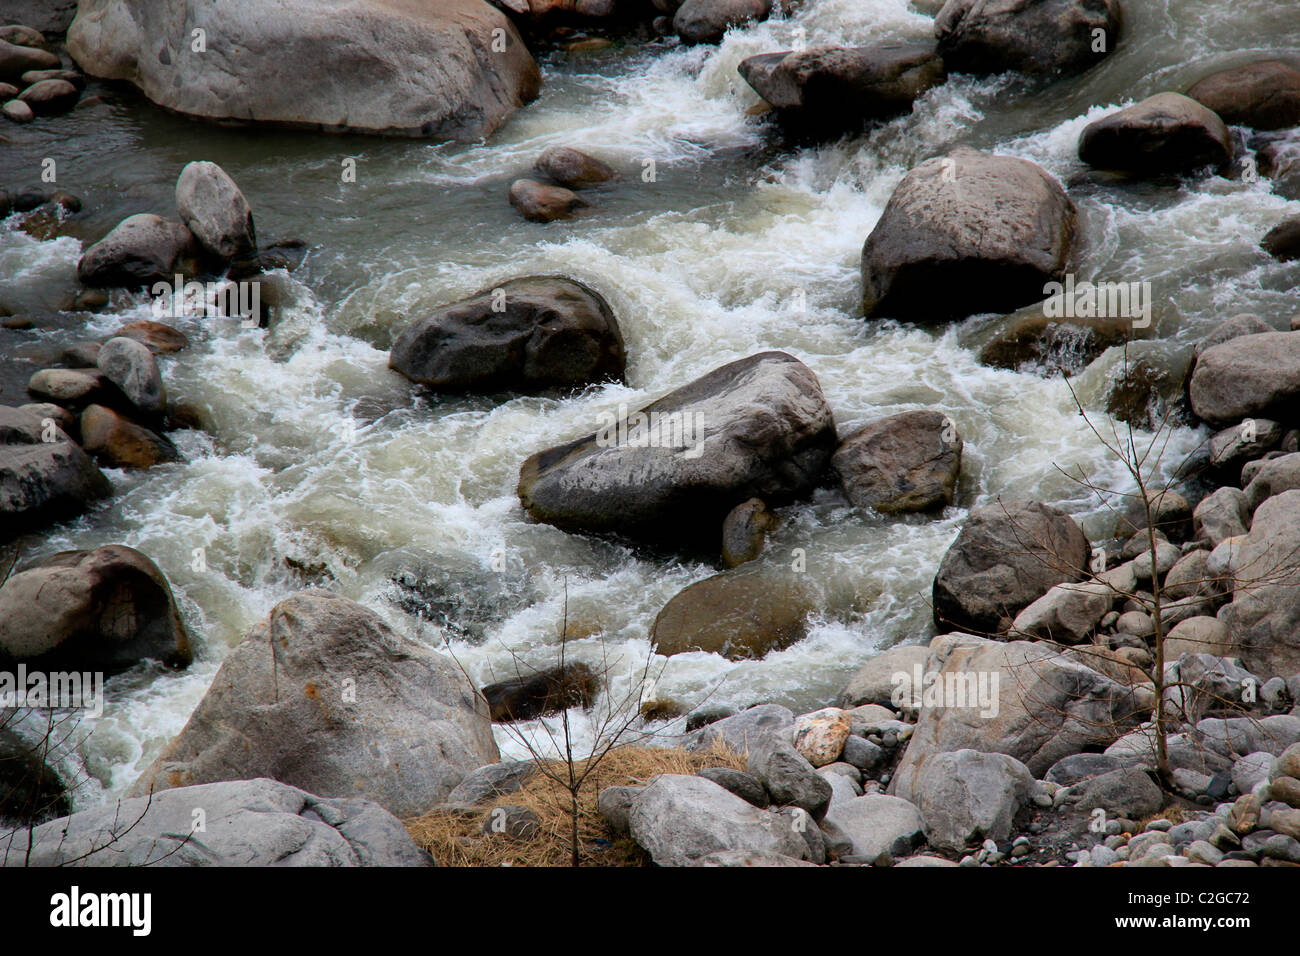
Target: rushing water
[(317, 457)]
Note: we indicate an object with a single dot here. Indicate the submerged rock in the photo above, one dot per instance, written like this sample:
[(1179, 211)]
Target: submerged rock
[(44, 482), (539, 202), (572, 168), (536, 694), (745, 531), (966, 233), (119, 443), (907, 462)]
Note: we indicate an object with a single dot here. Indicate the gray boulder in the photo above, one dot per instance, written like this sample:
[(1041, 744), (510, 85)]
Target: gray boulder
[(130, 366), (788, 777), (45, 482), (1076, 768), (1166, 133), (1007, 555), (878, 679), (907, 462), (756, 427), (256, 822), (1126, 792), (215, 211), (326, 696), (528, 334), (966, 233), (1222, 514), (140, 250), (707, 21), (487, 783), (679, 819), (967, 797), (103, 609), (1249, 376), (742, 731), (879, 825), (1033, 36), (453, 70)]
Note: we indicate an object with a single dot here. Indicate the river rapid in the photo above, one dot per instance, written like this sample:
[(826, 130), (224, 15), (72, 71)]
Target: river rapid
[(319, 465)]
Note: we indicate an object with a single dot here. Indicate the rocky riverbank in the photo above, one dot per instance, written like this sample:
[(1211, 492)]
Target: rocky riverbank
[(1124, 694)]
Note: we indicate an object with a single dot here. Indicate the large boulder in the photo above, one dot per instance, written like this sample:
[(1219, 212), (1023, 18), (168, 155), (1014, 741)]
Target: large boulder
[(743, 613), (215, 211), (1033, 36), (707, 21), (832, 89), (117, 442), (327, 697), (43, 482), (1282, 242), (1262, 95), (141, 250), (1250, 376), (877, 681), (967, 797), (527, 335), (756, 427), (1038, 705), (907, 462), (130, 366), (878, 825), (966, 233), (1007, 555), (234, 823), (1264, 616), (679, 819), (1165, 133), (102, 609), (455, 69)]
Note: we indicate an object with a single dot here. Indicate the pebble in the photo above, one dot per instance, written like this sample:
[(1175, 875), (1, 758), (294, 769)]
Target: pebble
[(1201, 852)]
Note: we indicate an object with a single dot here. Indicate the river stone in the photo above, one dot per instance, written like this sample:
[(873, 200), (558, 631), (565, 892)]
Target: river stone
[(615, 806), (45, 482), (37, 76), (879, 824), (820, 735), (18, 112), (344, 705), (745, 531), (19, 34), (1198, 635), (744, 613), (160, 339), (102, 609), (831, 89), (141, 250), (74, 388), (787, 775), (1046, 705), (1033, 36), (1230, 448), (966, 233), (494, 780), (760, 427), (528, 334), (132, 368), (748, 788), (401, 67), (1166, 133), (967, 797), (541, 202), (879, 679), (534, 694), (1067, 613), (49, 97), (1031, 340), (1264, 616), (907, 462), (119, 443), (679, 819), (572, 168), (706, 21), (1127, 792), (1250, 376), (1282, 242), (1263, 95), (1007, 555), (15, 60), (1076, 768), (45, 16), (245, 823), (31, 791), (215, 211), (742, 731), (31, 424)]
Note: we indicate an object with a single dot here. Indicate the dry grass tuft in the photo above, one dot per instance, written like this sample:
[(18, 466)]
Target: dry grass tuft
[(455, 836)]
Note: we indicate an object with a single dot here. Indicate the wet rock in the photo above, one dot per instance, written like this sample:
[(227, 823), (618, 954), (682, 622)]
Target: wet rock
[(18, 112), (160, 339), (49, 97), (550, 691), (382, 49), (247, 823), (44, 483), (326, 694), (967, 797), (82, 355), (116, 442), (907, 462), (103, 609), (572, 168), (744, 613), (30, 789), (1282, 242), (879, 678), (679, 819), (287, 255), (539, 202), (141, 250), (1263, 95), (528, 334), (21, 35), (1033, 36), (966, 233), (1166, 133), (1007, 555), (830, 90), (74, 388), (215, 211), (1032, 340), (1249, 376), (130, 366), (706, 21), (758, 427), (71, 76), (15, 60), (745, 531)]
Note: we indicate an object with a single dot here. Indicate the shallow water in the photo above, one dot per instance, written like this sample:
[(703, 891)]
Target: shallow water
[(318, 456)]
